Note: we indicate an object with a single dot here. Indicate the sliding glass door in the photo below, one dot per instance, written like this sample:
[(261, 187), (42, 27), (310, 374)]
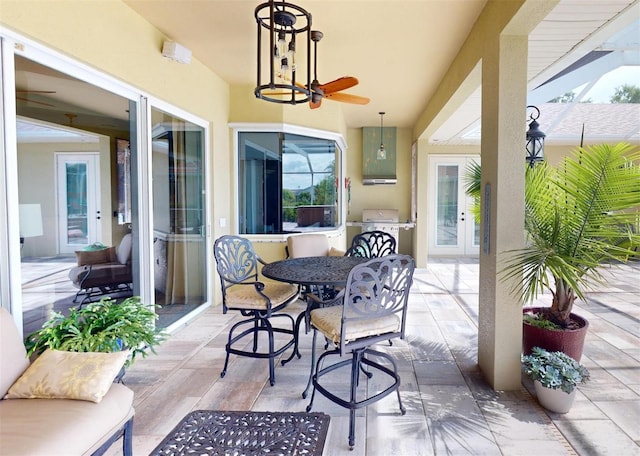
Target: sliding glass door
[(179, 218), (91, 174)]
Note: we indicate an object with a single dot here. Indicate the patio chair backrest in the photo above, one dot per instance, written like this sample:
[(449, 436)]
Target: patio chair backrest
[(236, 260), (307, 245), (372, 244), (375, 301)]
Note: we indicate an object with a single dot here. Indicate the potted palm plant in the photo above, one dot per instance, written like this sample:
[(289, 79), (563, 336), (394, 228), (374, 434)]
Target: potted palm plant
[(580, 218), (555, 376), (104, 326)]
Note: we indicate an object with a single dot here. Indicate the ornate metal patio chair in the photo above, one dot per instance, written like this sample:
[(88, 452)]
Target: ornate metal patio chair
[(259, 302), (372, 244), (373, 310)]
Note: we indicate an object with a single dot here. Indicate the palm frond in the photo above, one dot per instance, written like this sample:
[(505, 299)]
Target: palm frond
[(472, 183), (578, 216)]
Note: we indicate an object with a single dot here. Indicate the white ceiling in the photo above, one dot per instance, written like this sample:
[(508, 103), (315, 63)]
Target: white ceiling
[(399, 50)]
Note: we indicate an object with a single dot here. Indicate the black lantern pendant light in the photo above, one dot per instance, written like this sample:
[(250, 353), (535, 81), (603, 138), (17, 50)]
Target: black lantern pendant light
[(535, 139), (382, 153), (289, 32)]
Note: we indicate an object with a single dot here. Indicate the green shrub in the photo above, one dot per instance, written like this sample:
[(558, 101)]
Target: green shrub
[(104, 326)]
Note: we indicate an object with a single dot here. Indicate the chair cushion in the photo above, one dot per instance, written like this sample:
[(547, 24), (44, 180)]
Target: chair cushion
[(246, 296), (102, 274), (14, 355), (308, 245), (62, 427), (336, 252), (328, 320), (68, 375)]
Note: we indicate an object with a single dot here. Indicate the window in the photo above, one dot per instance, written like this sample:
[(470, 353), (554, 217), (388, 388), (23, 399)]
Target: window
[(287, 183)]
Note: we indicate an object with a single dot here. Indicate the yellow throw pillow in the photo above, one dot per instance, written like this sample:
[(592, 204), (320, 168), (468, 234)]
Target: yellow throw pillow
[(85, 376)]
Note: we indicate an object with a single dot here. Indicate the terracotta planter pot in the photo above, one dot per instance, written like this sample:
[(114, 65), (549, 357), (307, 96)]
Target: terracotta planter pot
[(554, 400), (570, 341)]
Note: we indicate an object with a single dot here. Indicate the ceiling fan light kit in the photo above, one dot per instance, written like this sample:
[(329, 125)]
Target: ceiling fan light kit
[(289, 31)]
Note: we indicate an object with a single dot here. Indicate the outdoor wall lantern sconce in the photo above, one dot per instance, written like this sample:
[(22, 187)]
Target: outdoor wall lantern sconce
[(382, 153), (289, 31), (535, 138)]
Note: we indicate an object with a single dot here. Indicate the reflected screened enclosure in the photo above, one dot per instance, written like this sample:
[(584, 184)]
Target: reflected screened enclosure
[(179, 240), (287, 183)]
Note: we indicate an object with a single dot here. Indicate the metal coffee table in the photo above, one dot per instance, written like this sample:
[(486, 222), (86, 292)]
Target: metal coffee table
[(214, 433)]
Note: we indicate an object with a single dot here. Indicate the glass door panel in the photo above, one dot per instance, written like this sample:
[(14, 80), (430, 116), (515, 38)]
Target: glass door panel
[(78, 201), (452, 230), (447, 205), (178, 214)]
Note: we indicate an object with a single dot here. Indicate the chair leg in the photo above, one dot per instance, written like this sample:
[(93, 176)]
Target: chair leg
[(255, 335), (356, 366), (296, 339), (313, 363), (127, 438), (258, 324), (272, 367)]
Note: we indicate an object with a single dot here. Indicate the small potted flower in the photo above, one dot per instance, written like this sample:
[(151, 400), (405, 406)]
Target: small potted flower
[(555, 376)]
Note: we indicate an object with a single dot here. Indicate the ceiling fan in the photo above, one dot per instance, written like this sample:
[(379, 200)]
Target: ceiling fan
[(28, 100), (331, 90)]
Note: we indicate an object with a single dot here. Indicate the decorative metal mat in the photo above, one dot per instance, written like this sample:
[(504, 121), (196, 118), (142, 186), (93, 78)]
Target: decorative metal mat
[(211, 432)]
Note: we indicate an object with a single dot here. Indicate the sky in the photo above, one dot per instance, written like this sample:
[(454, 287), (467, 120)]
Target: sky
[(605, 87)]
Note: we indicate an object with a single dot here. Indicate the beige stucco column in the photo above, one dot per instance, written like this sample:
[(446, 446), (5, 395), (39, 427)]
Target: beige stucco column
[(504, 90)]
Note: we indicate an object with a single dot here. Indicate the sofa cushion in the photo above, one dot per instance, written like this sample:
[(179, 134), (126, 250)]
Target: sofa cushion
[(14, 355), (60, 374), (62, 427)]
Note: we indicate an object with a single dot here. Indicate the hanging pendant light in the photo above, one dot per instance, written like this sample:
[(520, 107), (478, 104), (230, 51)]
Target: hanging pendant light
[(382, 153), (285, 81)]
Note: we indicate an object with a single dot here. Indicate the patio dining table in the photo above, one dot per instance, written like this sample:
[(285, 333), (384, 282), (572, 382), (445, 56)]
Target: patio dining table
[(321, 274)]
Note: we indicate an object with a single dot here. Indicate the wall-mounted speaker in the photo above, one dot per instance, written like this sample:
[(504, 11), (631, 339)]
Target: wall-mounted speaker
[(177, 52)]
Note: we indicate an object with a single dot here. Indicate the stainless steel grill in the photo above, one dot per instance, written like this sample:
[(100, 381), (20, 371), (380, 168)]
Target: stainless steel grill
[(381, 220)]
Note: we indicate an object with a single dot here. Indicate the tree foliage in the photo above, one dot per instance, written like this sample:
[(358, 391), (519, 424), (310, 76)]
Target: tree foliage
[(568, 97), (626, 93)]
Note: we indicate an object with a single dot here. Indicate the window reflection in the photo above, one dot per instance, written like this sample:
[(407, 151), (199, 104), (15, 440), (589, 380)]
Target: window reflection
[(287, 183)]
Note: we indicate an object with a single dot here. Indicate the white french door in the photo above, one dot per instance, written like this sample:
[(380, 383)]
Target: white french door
[(452, 230), (78, 200)]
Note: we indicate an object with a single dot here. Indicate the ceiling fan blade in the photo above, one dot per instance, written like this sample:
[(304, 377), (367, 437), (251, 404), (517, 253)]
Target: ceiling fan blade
[(35, 91), (339, 84), (347, 98), (26, 100)]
